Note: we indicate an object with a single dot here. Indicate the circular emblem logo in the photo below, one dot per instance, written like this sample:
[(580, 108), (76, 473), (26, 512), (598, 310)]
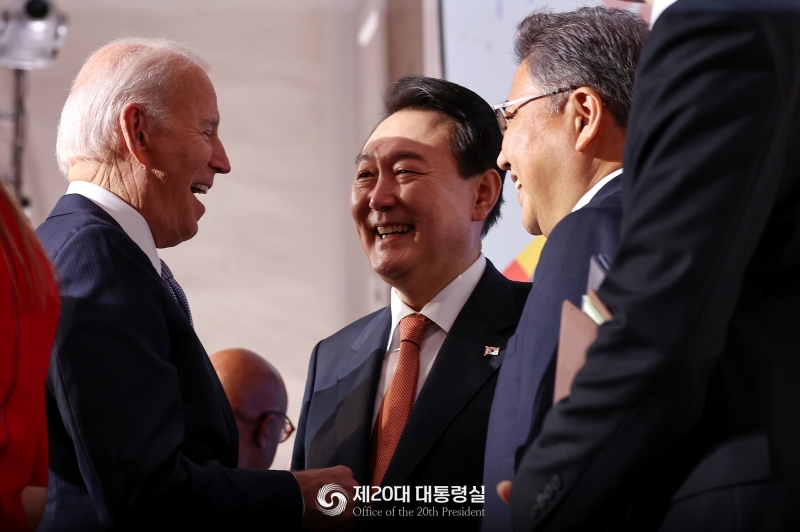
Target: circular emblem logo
[(331, 499)]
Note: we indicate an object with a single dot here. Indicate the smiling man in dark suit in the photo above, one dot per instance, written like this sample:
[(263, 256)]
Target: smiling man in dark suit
[(685, 414), (564, 122), (402, 396), (141, 434)]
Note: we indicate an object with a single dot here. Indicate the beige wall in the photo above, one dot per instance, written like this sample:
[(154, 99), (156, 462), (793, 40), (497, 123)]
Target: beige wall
[(276, 265)]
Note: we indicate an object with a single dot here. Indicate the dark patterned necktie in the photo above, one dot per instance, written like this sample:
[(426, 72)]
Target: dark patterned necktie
[(176, 290)]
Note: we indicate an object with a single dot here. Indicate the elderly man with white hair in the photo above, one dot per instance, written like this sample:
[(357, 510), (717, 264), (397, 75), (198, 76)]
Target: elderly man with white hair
[(141, 433)]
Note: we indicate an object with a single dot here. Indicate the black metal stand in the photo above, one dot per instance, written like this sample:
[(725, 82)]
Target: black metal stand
[(19, 134)]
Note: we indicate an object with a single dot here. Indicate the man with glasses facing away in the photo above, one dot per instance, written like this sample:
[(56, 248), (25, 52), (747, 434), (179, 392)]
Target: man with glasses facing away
[(564, 132), (258, 399)]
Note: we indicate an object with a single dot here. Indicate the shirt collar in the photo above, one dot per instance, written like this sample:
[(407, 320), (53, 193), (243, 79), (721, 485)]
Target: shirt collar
[(586, 198), (658, 7), (133, 223), (445, 306)]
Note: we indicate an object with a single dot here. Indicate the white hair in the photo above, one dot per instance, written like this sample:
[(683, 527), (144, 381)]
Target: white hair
[(130, 70)]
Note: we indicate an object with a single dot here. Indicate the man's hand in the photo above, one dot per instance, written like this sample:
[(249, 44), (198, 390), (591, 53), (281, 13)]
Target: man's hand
[(504, 490), (310, 484)]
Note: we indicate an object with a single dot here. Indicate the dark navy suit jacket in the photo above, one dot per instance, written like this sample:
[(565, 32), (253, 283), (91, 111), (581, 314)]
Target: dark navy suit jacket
[(525, 383), (443, 441), (141, 434)]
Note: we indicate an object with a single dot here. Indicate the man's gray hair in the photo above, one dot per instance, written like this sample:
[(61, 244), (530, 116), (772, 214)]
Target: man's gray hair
[(594, 47), (131, 70)]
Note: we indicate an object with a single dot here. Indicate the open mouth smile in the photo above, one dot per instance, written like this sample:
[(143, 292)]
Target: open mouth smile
[(199, 188)]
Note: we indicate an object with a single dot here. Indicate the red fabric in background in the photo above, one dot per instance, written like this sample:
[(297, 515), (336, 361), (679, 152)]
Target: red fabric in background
[(24, 460)]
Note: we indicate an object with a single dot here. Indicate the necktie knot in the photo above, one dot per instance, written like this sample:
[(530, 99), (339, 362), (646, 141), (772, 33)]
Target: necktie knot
[(412, 329)]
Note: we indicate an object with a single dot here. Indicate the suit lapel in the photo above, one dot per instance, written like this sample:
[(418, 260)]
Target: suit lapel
[(356, 386), (459, 371)]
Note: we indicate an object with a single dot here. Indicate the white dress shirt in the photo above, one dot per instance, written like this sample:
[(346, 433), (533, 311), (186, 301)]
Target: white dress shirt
[(586, 198), (658, 7), (133, 223), (442, 310)]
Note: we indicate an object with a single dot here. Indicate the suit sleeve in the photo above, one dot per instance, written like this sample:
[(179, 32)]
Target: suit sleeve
[(698, 193), (118, 395), (299, 453)]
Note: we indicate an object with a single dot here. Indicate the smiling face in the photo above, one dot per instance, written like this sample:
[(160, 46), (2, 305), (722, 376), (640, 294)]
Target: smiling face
[(185, 154), (537, 146), (418, 219)]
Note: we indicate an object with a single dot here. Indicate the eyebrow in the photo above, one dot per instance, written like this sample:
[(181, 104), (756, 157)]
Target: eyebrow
[(396, 156), (362, 157), (212, 121)]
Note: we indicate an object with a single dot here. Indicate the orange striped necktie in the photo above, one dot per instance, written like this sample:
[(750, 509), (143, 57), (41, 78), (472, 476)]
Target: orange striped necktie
[(399, 397)]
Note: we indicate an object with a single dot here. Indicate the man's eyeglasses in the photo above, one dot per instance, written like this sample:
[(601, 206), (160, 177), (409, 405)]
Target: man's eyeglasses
[(500, 108), (287, 428)]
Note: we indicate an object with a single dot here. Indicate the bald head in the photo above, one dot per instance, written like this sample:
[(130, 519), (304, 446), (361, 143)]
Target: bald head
[(253, 387)]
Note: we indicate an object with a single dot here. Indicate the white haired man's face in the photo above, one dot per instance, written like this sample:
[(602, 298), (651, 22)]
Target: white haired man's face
[(186, 155)]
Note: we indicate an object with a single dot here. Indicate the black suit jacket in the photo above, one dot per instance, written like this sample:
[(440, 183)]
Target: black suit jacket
[(443, 441), (705, 287), (141, 433)]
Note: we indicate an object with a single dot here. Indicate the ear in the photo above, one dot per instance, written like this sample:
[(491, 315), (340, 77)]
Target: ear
[(588, 111), (261, 434), (487, 191), (136, 132)]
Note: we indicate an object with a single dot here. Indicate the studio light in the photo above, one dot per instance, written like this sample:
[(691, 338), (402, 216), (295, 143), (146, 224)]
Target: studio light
[(31, 34)]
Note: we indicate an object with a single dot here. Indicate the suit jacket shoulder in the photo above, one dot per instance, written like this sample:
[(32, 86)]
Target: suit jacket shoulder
[(564, 264)]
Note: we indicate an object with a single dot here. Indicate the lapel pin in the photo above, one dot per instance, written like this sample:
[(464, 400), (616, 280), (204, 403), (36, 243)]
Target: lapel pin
[(491, 351)]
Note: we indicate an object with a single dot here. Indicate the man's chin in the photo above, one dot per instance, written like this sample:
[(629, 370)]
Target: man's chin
[(390, 271), (174, 238), (531, 227), (191, 233)]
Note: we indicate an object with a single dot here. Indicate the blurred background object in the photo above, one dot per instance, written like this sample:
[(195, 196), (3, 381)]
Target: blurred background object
[(29, 309), (258, 399), (31, 34)]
